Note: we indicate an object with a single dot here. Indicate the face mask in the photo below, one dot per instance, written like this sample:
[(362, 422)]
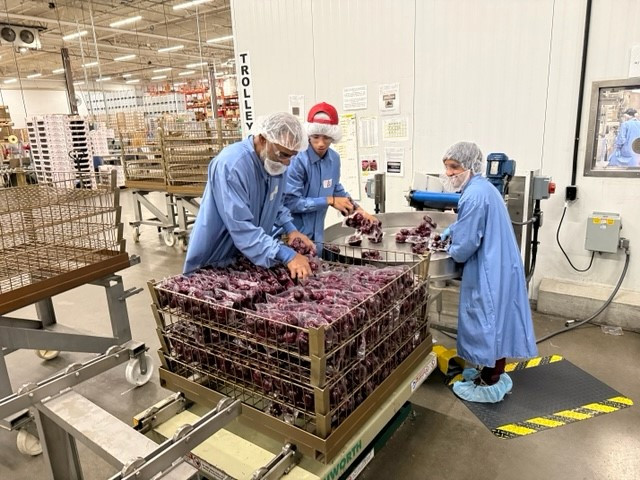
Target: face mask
[(272, 168), (454, 183)]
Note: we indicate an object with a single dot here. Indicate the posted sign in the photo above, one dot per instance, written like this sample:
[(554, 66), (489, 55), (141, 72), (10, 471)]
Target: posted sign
[(245, 92)]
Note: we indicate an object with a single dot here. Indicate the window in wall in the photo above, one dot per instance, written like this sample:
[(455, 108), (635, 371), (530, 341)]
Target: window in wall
[(613, 140)]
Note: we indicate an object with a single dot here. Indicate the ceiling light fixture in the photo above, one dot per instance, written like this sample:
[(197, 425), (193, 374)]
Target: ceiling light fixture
[(125, 57), (10, 80), (192, 3), (71, 36), (89, 65), (127, 75), (34, 75), (133, 81), (160, 70), (220, 39), (170, 49), (58, 70), (103, 79), (196, 65), (78, 83), (159, 77), (177, 84), (125, 21), (187, 72)]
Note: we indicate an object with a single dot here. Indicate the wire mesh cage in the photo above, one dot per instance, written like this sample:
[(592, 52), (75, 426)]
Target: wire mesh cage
[(142, 159), (65, 222), (189, 147), (308, 354)]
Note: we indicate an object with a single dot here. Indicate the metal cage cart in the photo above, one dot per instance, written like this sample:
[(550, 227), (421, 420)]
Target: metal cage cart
[(144, 172), (54, 236), (313, 384), (189, 147)]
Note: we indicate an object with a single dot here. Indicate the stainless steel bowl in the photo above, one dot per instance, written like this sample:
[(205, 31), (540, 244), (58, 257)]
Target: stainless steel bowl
[(441, 265)]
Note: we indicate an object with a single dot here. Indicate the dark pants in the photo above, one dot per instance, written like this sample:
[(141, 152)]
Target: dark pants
[(491, 375)]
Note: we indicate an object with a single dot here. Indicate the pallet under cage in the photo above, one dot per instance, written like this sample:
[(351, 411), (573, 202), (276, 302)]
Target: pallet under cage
[(310, 377), (55, 231)]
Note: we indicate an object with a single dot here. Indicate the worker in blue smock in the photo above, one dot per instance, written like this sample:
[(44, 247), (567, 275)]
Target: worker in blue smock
[(313, 183), (494, 317), (623, 155), (242, 201)]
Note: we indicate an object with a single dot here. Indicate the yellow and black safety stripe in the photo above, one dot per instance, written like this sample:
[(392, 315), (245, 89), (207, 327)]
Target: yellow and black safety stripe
[(564, 417), (533, 362)]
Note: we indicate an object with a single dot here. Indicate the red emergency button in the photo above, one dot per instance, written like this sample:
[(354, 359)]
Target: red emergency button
[(552, 187)]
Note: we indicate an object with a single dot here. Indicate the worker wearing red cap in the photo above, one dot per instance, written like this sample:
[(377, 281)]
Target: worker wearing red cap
[(313, 183)]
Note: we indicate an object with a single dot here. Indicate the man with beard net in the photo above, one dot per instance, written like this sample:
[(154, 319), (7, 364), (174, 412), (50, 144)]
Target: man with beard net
[(494, 317), (242, 201)]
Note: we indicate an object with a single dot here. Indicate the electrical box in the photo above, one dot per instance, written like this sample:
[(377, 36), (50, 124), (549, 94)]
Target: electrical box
[(542, 187), (603, 232)]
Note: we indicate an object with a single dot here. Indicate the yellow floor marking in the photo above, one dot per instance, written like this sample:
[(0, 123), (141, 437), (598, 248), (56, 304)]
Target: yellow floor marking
[(534, 362), (574, 415), (600, 408), (555, 358), (517, 429), (623, 400), (547, 422)]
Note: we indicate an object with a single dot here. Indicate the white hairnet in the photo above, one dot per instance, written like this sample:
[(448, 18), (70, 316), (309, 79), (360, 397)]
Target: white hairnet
[(467, 154), (332, 131), (282, 128)]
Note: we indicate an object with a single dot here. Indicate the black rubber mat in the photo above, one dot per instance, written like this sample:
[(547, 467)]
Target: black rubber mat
[(547, 395)]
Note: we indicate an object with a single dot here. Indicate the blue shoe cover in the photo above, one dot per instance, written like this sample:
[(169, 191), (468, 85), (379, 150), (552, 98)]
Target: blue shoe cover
[(471, 392), (470, 374)]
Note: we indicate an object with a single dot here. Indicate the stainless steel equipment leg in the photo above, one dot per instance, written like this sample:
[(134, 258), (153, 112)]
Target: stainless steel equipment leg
[(5, 382), (59, 450), (45, 311)]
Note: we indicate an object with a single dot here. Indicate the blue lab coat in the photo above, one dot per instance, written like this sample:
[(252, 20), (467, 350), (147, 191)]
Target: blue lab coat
[(623, 155), (240, 207), (310, 181), (494, 317)]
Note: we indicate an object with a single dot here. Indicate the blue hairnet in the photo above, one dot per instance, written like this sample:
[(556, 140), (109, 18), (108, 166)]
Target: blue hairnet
[(282, 128), (467, 154)]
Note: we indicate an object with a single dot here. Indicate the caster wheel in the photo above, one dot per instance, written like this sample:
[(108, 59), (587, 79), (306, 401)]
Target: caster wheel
[(47, 354), (28, 444), (169, 238), (132, 372), (136, 235), (182, 244)]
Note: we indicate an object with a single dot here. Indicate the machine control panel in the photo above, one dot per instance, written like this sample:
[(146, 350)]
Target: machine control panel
[(603, 232)]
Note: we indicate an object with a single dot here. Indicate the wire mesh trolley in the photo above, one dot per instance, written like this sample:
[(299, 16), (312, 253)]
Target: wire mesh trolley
[(54, 236)]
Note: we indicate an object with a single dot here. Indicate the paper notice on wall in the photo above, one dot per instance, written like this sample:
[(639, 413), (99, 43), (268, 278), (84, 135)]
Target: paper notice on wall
[(348, 151), (634, 62), (354, 98), (296, 106), (368, 132), (369, 164), (394, 161), (389, 99), (394, 129)]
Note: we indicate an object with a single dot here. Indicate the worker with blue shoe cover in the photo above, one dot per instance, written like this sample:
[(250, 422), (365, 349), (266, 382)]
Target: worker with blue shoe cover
[(494, 317), (313, 182), (242, 201)]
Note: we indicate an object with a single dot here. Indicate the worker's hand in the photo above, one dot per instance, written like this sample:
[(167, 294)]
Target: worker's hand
[(445, 234), (296, 234), (342, 204), (299, 267)]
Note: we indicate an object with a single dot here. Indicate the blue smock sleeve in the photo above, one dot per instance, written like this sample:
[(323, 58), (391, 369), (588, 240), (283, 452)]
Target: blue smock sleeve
[(230, 194), (468, 231), (285, 220), (294, 197)]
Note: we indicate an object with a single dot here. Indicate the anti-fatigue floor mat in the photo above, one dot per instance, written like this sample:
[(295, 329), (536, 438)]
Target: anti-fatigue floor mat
[(548, 392)]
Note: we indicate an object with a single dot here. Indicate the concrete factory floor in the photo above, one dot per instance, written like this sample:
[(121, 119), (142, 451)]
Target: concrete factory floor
[(442, 440)]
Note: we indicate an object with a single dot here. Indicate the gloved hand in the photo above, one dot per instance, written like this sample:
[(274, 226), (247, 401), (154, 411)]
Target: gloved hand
[(445, 234)]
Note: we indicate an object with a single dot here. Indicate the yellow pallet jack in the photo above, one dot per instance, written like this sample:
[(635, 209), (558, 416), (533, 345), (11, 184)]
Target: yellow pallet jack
[(449, 363)]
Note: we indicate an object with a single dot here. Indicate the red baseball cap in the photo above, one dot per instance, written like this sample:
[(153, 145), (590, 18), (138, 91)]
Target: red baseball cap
[(330, 116)]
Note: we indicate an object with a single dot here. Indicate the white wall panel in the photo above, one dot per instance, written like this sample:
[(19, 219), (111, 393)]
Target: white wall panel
[(37, 102), (502, 73)]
